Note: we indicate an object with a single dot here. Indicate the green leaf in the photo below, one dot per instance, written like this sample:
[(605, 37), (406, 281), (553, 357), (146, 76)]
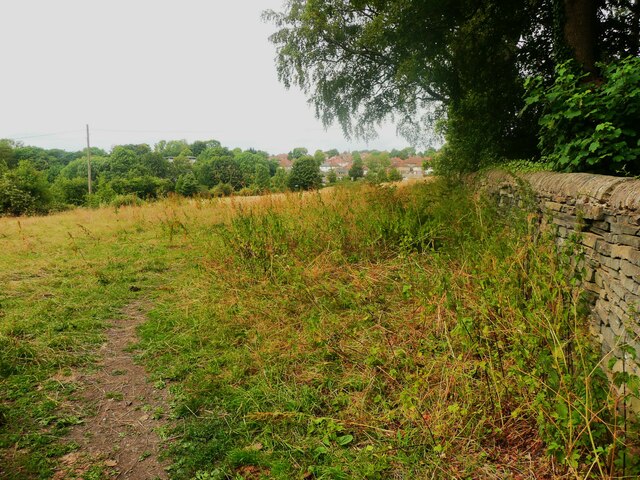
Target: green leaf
[(344, 440), (562, 411), (572, 113)]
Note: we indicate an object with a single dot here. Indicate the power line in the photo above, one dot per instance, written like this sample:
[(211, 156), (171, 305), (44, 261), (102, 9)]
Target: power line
[(107, 130), (12, 137)]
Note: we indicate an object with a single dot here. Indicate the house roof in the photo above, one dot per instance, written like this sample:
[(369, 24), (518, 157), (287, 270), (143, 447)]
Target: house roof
[(411, 162), (342, 160), (283, 160)]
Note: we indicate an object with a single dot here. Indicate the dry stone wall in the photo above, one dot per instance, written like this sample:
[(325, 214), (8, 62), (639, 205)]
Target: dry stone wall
[(599, 215)]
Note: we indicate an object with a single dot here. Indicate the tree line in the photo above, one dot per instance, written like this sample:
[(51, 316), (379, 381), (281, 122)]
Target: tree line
[(34, 180)]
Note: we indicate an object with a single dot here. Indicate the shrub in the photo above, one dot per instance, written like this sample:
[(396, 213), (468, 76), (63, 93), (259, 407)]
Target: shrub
[(222, 190), (187, 185), (126, 200), (72, 191), (24, 190), (587, 126), (13, 200), (249, 191), (394, 175)]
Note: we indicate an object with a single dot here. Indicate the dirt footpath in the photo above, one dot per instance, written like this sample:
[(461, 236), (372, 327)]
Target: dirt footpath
[(122, 437)]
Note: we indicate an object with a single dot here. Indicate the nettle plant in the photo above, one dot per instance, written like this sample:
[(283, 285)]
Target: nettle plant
[(590, 126)]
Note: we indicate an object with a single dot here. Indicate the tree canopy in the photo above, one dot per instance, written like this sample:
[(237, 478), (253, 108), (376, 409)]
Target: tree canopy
[(305, 174), (464, 62)]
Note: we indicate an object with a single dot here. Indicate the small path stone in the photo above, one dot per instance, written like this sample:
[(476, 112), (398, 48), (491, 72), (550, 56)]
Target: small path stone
[(122, 436)]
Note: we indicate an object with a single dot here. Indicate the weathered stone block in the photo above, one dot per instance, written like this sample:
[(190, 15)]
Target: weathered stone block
[(590, 211), (589, 275), (591, 287), (603, 248), (630, 240), (627, 253), (553, 206), (612, 263), (611, 274), (566, 221), (613, 297), (631, 285), (619, 290), (602, 226), (609, 342), (615, 324), (629, 269), (625, 228), (601, 311), (589, 239), (633, 304), (598, 231), (618, 311)]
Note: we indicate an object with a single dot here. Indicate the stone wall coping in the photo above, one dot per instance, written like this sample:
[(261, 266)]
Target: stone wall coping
[(580, 186), (626, 196), (618, 193)]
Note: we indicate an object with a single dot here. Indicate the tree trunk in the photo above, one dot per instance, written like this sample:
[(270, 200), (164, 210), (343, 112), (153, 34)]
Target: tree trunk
[(580, 32), (635, 28)]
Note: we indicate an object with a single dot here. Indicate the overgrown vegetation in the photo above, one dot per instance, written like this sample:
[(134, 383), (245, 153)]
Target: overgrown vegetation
[(363, 332), (463, 66), (590, 127)]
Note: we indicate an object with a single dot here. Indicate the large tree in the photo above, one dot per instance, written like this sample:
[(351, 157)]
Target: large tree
[(305, 174), (364, 61)]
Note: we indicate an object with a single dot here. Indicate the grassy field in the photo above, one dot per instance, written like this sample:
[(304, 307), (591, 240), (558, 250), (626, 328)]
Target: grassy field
[(365, 332)]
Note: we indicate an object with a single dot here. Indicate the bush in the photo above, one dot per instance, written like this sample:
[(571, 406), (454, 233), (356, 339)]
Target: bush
[(13, 200), (249, 191), (128, 200), (394, 175), (24, 190), (222, 190), (587, 126), (187, 185), (73, 191)]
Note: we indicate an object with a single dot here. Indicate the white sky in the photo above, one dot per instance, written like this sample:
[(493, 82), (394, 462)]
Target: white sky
[(138, 71)]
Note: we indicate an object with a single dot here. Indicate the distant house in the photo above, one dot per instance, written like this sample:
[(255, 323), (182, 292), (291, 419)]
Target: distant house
[(340, 164), (190, 158), (283, 161), (342, 171), (409, 168), (340, 161), (325, 167)]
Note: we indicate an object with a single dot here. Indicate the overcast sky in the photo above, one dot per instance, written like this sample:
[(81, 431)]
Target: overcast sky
[(138, 71)]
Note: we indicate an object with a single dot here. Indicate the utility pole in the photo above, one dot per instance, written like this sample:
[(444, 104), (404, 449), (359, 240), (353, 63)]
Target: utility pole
[(88, 161)]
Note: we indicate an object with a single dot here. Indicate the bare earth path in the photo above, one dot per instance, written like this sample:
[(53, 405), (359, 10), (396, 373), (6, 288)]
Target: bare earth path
[(122, 436)]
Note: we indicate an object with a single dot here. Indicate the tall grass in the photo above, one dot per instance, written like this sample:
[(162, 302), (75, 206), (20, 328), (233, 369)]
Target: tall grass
[(385, 333), (365, 332)]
